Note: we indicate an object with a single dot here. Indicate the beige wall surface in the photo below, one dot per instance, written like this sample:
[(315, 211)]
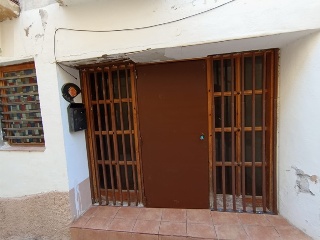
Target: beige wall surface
[(41, 216)]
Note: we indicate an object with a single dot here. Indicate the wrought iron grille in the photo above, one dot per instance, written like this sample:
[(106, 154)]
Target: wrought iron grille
[(20, 107), (110, 95), (242, 95)]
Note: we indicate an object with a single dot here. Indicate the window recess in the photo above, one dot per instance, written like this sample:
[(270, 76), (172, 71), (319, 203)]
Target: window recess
[(21, 121)]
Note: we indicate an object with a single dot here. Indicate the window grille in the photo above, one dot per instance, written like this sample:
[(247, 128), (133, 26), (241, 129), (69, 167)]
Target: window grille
[(20, 113)]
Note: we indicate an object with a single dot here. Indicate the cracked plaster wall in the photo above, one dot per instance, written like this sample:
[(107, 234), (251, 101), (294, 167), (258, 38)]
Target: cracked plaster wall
[(298, 126), (62, 165), (26, 5)]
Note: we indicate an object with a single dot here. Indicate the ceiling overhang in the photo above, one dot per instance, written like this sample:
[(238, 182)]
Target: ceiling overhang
[(149, 55), (8, 10)]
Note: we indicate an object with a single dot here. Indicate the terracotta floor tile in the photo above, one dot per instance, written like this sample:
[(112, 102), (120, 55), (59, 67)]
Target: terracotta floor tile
[(172, 238), (253, 219), (150, 214), (120, 224), (138, 236), (106, 212), (132, 223), (219, 218), (75, 233), (196, 238), (261, 232), (231, 232), (173, 229), (97, 223), (291, 233), (201, 230), (89, 234), (277, 220), (174, 215), (146, 226), (199, 216), (128, 212), (111, 235), (90, 211), (79, 223)]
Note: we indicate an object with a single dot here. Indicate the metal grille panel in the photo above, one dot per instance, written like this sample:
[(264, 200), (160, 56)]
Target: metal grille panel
[(113, 129), (20, 106), (241, 95)]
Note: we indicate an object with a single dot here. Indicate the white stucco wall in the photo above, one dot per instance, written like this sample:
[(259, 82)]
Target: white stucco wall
[(24, 173), (75, 143), (235, 20), (299, 138), (237, 26), (75, 150)]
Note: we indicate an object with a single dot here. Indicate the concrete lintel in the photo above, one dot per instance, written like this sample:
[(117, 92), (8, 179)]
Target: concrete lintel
[(8, 10), (149, 55)]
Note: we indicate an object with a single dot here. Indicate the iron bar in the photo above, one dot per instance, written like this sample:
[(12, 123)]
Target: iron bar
[(253, 146), (18, 77), (223, 135), (94, 146), (243, 172), (115, 140), (106, 119), (131, 138), (264, 198), (18, 86), (100, 137), (122, 137), (233, 137)]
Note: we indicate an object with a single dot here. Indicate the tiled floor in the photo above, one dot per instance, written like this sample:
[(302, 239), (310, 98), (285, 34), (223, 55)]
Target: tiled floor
[(120, 223)]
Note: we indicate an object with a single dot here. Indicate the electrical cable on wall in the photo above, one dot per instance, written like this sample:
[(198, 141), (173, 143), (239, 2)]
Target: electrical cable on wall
[(128, 29), (66, 71)]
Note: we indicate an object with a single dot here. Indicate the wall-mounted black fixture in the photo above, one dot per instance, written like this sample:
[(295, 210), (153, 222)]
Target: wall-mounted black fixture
[(76, 111)]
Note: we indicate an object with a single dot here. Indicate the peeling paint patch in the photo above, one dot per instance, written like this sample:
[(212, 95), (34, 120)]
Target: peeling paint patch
[(158, 55), (44, 18), (39, 36), (27, 30), (302, 182), (174, 7), (61, 3)]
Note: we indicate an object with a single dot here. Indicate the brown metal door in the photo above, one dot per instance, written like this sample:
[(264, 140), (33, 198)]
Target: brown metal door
[(173, 115)]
